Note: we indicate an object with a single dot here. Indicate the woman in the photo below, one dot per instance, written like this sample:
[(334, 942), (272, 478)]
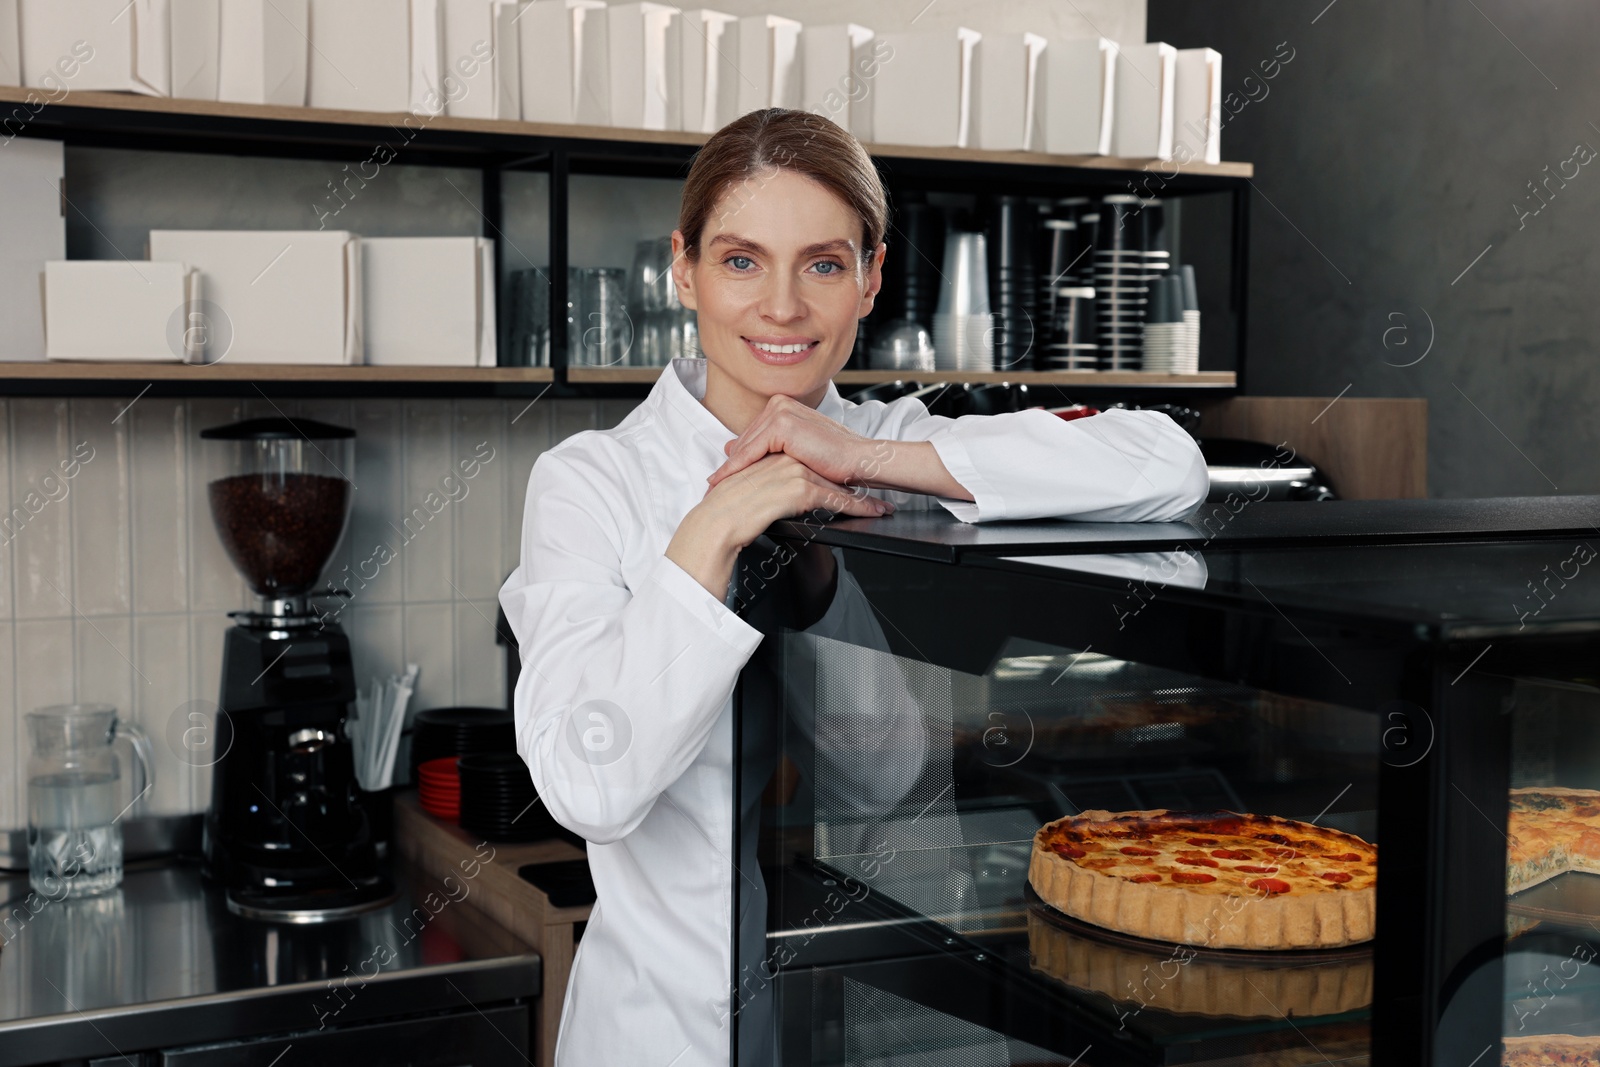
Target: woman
[(630, 651)]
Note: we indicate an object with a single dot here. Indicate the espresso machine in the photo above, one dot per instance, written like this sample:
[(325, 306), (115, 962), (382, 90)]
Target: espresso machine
[(286, 834)]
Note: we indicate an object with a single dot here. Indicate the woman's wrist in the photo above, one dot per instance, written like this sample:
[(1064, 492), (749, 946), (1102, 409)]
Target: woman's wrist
[(908, 467), (705, 552)]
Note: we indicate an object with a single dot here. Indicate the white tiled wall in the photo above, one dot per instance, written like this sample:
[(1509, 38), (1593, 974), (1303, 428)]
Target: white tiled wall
[(117, 590)]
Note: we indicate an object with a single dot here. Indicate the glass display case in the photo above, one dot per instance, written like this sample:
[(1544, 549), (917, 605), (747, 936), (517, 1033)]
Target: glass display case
[(921, 707)]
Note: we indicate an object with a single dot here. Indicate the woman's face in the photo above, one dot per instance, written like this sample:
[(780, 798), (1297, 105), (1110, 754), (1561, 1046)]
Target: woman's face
[(778, 287)]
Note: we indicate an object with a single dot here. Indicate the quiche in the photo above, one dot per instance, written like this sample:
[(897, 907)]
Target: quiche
[(1551, 831), (1217, 879), (1551, 1050)]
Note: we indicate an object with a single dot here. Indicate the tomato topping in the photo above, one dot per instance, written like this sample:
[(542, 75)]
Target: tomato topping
[(1346, 857), (1233, 854), (1282, 853), (1257, 870), (1193, 877), (1270, 886), (1150, 877), (1338, 876), (1199, 861), (1100, 863), (1202, 842), (1070, 850), (1278, 838), (1135, 850)]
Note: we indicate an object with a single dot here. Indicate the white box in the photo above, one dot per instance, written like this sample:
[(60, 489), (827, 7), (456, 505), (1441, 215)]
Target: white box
[(120, 45), (429, 301), (288, 296), (1077, 91), (10, 43), (427, 58), (480, 59), (360, 55), (769, 63), (265, 47), (1197, 104), (1006, 115), (636, 36), (707, 46), (35, 233), (923, 92), (837, 65), (1143, 121), (196, 48), (564, 76), (117, 310)]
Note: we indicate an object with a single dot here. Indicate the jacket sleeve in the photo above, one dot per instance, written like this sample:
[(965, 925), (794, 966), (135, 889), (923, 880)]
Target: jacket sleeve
[(1117, 466), (620, 687)]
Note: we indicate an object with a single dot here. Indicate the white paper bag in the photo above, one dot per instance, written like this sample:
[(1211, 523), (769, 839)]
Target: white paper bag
[(837, 66), (1006, 114), (1143, 123), (1077, 93), (480, 57), (429, 301), (34, 233), (116, 310), (360, 55), (769, 62), (10, 43), (636, 36), (287, 296), (121, 45), (564, 75), (264, 50), (923, 92), (707, 46), (1197, 104)]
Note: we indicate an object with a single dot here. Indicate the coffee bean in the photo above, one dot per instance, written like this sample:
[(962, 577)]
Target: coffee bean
[(279, 529)]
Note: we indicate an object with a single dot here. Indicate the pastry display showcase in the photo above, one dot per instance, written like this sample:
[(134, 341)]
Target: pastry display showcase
[(1284, 803)]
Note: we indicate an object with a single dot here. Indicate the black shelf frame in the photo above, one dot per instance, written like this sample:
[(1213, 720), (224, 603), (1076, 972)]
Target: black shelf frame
[(91, 120)]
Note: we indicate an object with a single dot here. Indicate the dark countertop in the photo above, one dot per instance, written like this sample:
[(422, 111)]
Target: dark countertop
[(938, 535), (162, 962)]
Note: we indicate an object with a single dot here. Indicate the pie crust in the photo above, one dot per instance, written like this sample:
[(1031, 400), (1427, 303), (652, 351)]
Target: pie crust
[(1552, 1050), (1551, 830), (1285, 902)]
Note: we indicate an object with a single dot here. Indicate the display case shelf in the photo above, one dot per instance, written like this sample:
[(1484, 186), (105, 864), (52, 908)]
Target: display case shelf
[(252, 379), (1076, 379)]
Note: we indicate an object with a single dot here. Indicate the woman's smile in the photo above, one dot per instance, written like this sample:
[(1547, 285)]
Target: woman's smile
[(782, 351)]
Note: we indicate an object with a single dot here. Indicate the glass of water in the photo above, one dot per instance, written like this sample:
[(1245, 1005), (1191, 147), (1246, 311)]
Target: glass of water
[(75, 798)]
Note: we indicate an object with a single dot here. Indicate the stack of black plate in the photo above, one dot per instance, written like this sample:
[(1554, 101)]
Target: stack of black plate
[(440, 732), (498, 800)]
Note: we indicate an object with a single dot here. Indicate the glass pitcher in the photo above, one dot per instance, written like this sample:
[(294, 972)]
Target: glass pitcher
[(74, 840)]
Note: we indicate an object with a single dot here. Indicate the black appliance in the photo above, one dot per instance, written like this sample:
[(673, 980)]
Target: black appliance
[(286, 833)]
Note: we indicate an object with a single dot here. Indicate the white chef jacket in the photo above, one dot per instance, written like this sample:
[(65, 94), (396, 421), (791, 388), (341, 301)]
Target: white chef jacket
[(624, 709)]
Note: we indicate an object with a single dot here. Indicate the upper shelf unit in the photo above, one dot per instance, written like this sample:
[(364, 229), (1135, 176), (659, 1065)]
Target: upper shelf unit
[(125, 120)]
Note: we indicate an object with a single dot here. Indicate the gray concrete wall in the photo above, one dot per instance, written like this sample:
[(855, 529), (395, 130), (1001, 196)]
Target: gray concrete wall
[(1392, 152)]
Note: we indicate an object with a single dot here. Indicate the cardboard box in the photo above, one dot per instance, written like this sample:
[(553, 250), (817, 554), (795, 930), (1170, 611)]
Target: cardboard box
[(1077, 93), (117, 45), (1143, 121), (361, 54), (481, 60), (641, 91), (196, 48), (837, 68), (769, 62), (923, 92), (1006, 115), (1197, 104), (564, 76), (429, 301), (10, 43), (35, 229), (117, 310), (427, 87), (264, 51), (286, 296), (707, 46)]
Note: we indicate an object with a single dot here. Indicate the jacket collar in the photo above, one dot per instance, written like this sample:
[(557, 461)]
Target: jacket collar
[(682, 387)]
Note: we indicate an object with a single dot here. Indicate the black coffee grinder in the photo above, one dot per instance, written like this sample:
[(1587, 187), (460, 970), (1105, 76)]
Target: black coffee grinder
[(286, 833)]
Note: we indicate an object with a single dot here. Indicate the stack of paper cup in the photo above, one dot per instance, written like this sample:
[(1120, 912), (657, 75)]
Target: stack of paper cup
[(1191, 314), (963, 329)]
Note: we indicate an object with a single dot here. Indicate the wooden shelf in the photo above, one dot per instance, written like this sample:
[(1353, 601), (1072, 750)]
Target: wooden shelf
[(1117, 379), (251, 379), (78, 109)]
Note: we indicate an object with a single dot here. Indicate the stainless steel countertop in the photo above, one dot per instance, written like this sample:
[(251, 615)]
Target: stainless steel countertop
[(161, 963)]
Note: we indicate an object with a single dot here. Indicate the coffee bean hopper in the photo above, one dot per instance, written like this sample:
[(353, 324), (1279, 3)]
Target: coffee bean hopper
[(286, 834)]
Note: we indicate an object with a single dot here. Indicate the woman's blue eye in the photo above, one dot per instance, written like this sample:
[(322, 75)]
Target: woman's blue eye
[(730, 259), (830, 263)]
